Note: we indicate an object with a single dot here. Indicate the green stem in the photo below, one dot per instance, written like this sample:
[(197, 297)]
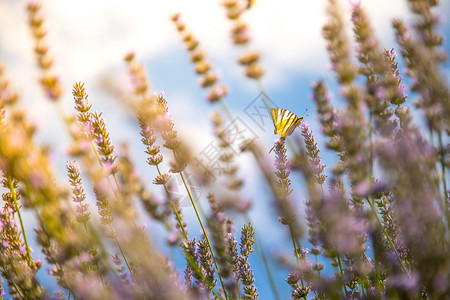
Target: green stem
[(205, 233), (73, 295), (368, 261), (387, 235), (401, 122), (117, 183), (341, 270), (95, 259), (121, 250), (317, 264), (180, 222), (431, 136), (101, 165), (296, 253), (16, 206), (17, 288), (96, 154), (444, 179), (68, 296), (370, 144)]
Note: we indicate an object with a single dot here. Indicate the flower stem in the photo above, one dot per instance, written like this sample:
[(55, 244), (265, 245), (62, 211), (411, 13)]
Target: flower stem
[(368, 261), (444, 179), (180, 222), (173, 207), (317, 264), (95, 259), (17, 288), (205, 233), (371, 143), (342, 274), (296, 253), (387, 235), (121, 250), (16, 206)]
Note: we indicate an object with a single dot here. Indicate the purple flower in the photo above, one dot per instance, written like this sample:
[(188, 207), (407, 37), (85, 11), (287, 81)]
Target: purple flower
[(315, 160)]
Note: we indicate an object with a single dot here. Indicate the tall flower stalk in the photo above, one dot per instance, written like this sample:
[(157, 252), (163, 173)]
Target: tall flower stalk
[(16, 264), (96, 129), (12, 199), (82, 209), (49, 82), (246, 274), (240, 35), (181, 157), (285, 208), (202, 65), (146, 115)]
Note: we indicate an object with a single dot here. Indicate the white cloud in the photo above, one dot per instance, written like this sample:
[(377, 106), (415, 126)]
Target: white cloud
[(87, 36)]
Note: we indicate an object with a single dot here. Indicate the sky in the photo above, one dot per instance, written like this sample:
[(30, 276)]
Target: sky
[(88, 40)]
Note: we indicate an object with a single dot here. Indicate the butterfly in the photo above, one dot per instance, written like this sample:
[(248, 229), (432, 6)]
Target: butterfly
[(285, 122), (250, 3)]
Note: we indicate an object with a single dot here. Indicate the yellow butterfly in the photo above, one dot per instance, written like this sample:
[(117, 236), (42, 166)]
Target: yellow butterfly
[(284, 121), (250, 3)]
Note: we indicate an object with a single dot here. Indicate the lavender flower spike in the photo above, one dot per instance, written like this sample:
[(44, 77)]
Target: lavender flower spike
[(313, 153)]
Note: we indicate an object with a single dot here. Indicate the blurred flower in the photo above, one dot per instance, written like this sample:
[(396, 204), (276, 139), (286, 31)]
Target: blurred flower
[(79, 195), (202, 66), (49, 82)]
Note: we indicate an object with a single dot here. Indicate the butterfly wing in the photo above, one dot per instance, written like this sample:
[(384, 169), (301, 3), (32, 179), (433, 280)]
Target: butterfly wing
[(275, 112), (292, 125)]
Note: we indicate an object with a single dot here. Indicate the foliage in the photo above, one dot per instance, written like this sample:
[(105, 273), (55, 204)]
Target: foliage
[(380, 219)]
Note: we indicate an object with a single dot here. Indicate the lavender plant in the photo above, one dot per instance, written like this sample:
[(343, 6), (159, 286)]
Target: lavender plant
[(377, 218)]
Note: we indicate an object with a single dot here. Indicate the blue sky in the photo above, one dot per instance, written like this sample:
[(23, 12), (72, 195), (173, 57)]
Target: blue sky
[(89, 39)]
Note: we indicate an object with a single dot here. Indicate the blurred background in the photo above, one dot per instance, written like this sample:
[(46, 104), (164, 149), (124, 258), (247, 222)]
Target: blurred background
[(88, 40)]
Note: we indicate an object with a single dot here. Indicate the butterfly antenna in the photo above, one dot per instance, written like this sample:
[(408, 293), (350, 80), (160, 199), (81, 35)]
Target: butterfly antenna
[(304, 114)]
